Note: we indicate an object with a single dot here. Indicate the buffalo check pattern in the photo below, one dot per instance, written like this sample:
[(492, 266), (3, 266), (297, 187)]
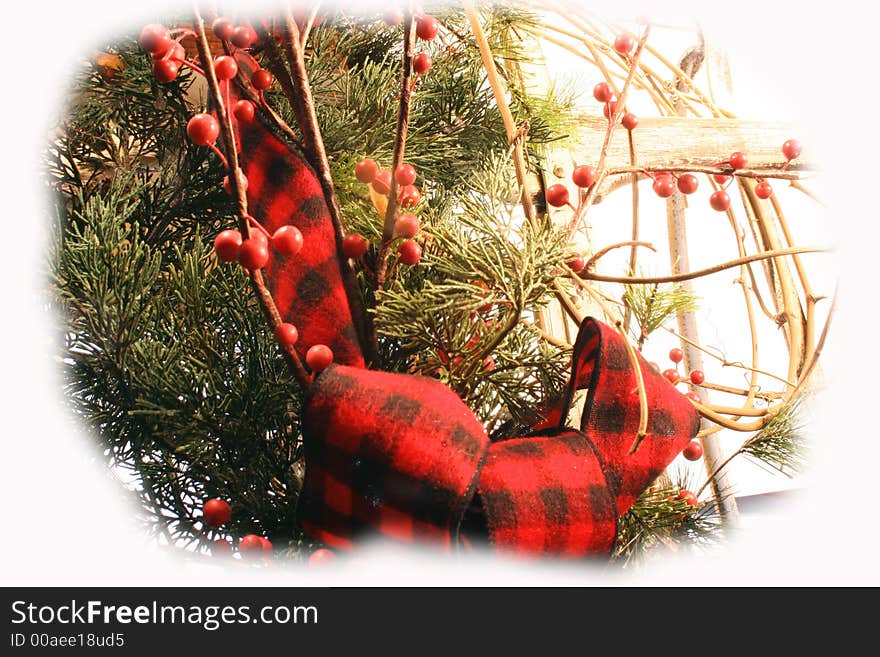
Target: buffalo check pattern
[(401, 457), (548, 495), (602, 365), (310, 288), (387, 455)]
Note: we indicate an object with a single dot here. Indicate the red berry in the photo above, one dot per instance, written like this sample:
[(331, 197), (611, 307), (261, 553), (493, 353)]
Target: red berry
[(320, 557), (256, 234), (253, 254), (791, 149), (203, 129), (354, 246), (624, 43), (583, 176), (393, 16), (426, 27), (286, 334), (694, 397), (216, 512), (223, 28), (405, 174), (226, 245), (697, 377), (225, 67), (629, 121), (720, 178), (409, 196), (664, 187), (676, 355), (763, 190), (382, 182), (243, 36), (738, 160), (319, 357), (165, 70), (688, 497), (688, 183), (267, 545), (244, 110), (287, 240), (422, 63), (609, 109), (228, 188), (407, 226), (557, 195), (251, 545), (410, 252), (602, 92), (261, 79), (693, 451), (221, 548), (671, 376), (366, 170), (719, 201), (155, 38), (576, 263)]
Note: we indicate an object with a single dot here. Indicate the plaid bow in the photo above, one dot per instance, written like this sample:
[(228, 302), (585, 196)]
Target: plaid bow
[(402, 457)]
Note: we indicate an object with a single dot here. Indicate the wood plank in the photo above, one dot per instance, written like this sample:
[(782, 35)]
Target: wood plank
[(670, 142)]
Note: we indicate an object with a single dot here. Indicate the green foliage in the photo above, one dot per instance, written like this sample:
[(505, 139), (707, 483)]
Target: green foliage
[(659, 519), (780, 444), (458, 315), (170, 362), (652, 305)]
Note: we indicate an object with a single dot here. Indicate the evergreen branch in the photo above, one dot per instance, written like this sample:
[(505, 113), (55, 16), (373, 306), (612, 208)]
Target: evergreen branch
[(778, 444), (652, 306)]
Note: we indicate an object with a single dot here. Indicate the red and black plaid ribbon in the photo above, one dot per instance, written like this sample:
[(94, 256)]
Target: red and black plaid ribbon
[(402, 457), (313, 290)]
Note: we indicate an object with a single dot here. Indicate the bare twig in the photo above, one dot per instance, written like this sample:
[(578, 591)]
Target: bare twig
[(236, 181), (676, 278)]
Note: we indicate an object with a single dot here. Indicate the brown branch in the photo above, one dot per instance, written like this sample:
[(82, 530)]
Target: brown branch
[(633, 243), (409, 35), (514, 136), (676, 278), (302, 102), (236, 181)]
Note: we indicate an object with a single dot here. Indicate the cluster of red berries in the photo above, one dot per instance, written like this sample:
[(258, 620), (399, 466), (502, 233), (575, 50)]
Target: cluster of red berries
[(557, 195), (694, 449), (666, 182), (407, 225), (603, 93), (253, 253), (215, 514)]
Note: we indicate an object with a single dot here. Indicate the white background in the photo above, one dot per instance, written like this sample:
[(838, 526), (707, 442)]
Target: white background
[(66, 522)]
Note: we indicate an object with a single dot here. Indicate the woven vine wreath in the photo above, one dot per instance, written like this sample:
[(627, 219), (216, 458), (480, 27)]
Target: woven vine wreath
[(455, 369)]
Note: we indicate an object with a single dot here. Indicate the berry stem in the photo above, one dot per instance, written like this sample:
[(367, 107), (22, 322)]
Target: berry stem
[(267, 303), (409, 38), (601, 171), (259, 226), (219, 154)]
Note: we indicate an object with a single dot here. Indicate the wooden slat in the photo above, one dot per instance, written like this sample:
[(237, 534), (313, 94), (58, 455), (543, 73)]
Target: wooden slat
[(674, 141)]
